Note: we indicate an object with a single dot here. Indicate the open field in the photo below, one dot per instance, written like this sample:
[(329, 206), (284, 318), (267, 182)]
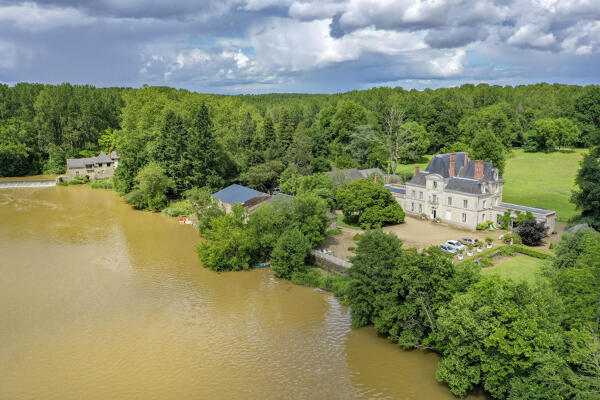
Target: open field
[(542, 180), (519, 268)]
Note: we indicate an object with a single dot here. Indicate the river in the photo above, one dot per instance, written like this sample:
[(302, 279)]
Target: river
[(99, 301)]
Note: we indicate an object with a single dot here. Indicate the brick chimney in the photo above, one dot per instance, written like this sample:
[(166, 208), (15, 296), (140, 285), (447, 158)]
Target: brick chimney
[(417, 170), (452, 170), (479, 169)]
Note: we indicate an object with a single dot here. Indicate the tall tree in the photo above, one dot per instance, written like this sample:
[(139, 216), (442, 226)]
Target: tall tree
[(487, 147), (587, 196)]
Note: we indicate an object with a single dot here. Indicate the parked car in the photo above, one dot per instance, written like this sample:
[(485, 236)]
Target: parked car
[(467, 241), (448, 248), (456, 244)]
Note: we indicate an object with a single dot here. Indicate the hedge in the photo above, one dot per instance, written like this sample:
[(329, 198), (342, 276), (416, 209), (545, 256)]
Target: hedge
[(517, 248), (532, 252)]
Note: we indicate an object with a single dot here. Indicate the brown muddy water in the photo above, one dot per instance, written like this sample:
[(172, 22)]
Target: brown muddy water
[(98, 301)]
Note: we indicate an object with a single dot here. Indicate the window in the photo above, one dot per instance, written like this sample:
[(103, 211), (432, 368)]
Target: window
[(100, 165), (420, 208), (108, 164), (412, 206), (465, 203), (434, 184), (449, 201), (496, 201), (482, 218), (464, 217), (434, 198), (484, 203), (420, 195), (414, 194)]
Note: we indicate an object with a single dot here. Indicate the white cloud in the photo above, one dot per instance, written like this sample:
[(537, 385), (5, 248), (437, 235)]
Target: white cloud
[(530, 36), (32, 18)]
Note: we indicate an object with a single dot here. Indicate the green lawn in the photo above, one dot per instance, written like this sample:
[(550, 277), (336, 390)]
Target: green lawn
[(519, 269), (410, 168), (542, 180)]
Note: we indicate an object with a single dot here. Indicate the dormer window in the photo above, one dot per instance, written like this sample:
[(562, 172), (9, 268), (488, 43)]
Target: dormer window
[(434, 184)]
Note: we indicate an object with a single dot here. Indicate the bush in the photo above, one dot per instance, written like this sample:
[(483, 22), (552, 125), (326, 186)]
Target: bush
[(484, 226), (289, 253), (313, 277), (102, 184), (137, 199), (75, 181), (532, 252), (531, 232), (516, 239), (178, 209), (333, 232)]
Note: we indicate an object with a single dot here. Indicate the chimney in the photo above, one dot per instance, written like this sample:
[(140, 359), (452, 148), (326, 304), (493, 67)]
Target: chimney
[(417, 170), (479, 169), (452, 170)]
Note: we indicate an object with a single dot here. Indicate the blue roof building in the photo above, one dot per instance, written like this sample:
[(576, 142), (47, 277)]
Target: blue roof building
[(233, 194)]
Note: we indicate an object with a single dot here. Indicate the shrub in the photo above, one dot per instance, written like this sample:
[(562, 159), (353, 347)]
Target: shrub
[(102, 184), (484, 226), (489, 240), (531, 232), (333, 232), (137, 199), (290, 253), (485, 262), (178, 209), (532, 252), (516, 239), (75, 181)]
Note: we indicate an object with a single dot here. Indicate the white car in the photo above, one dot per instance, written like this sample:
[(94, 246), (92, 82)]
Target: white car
[(456, 244), (448, 248)]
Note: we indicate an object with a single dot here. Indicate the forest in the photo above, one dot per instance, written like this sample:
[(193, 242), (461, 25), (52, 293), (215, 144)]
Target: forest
[(264, 140)]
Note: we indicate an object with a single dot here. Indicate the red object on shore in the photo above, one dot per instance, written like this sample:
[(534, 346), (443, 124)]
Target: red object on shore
[(182, 220)]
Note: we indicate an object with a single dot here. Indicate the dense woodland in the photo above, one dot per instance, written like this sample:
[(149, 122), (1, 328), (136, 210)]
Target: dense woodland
[(537, 340)]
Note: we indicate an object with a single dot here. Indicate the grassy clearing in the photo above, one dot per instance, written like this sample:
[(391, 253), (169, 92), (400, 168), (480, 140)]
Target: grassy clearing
[(542, 180), (520, 269), (410, 168)]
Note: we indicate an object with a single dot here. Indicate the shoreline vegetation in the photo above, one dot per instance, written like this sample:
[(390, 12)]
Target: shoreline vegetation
[(516, 336)]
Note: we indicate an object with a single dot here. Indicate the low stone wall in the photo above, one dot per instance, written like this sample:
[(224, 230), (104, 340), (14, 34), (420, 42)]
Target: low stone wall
[(330, 263)]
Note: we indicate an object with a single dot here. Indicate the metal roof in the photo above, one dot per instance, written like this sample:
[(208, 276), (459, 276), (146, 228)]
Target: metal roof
[(236, 194), (517, 207), (395, 189)]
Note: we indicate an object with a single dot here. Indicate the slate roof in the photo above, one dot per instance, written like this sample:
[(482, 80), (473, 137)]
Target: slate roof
[(74, 163), (236, 194), (468, 171), (418, 179), (464, 185), (354, 173), (440, 164)]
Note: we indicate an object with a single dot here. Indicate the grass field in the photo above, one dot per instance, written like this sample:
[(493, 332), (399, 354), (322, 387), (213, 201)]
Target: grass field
[(519, 269), (542, 180)]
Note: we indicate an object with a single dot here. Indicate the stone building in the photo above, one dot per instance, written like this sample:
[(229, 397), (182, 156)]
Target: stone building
[(99, 167), (460, 192)]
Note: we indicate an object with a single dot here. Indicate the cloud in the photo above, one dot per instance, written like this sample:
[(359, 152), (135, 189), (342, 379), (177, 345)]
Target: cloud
[(299, 45)]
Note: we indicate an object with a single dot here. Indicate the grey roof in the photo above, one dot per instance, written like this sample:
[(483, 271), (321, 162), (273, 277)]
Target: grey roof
[(418, 179), (578, 227), (464, 185), (113, 155), (103, 158), (236, 194), (279, 197), (73, 163), (354, 173), (440, 164), (533, 210), (489, 172)]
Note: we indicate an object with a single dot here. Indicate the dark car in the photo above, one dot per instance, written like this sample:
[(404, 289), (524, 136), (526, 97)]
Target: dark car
[(467, 241)]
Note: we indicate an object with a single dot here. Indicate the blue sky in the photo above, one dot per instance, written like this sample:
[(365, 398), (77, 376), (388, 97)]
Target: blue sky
[(311, 46)]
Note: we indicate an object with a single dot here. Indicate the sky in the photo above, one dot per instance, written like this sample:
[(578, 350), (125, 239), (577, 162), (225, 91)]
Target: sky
[(306, 46)]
